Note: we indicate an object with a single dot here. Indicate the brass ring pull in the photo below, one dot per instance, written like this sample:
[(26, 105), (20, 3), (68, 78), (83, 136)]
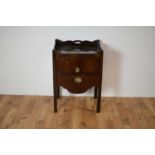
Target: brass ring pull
[(77, 69), (78, 80)]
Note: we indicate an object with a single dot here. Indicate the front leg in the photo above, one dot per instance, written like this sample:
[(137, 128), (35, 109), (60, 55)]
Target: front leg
[(55, 98), (58, 92), (95, 92), (98, 100)]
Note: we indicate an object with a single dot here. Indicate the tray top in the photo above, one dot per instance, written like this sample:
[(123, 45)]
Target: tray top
[(77, 52), (77, 47)]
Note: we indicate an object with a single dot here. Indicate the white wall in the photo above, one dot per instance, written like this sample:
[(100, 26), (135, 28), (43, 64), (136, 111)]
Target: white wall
[(129, 60)]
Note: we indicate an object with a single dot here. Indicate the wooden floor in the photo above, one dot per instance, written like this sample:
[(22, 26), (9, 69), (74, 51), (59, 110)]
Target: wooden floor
[(76, 112)]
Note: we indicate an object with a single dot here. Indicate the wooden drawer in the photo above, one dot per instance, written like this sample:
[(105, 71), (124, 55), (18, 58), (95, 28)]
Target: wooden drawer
[(77, 65), (78, 84)]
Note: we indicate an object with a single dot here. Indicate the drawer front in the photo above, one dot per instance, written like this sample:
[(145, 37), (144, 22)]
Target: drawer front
[(77, 84), (77, 65)]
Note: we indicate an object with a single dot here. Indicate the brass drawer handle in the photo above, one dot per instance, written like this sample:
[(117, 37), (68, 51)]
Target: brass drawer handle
[(77, 69), (78, 80)]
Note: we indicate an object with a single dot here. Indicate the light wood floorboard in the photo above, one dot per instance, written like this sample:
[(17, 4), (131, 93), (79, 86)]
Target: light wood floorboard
[(36, 112)]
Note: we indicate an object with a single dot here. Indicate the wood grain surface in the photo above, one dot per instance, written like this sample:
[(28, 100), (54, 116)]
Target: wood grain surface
[(35, 112)]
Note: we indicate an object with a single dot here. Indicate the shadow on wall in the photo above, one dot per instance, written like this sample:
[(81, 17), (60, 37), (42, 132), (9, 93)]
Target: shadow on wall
[(111, 78)]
